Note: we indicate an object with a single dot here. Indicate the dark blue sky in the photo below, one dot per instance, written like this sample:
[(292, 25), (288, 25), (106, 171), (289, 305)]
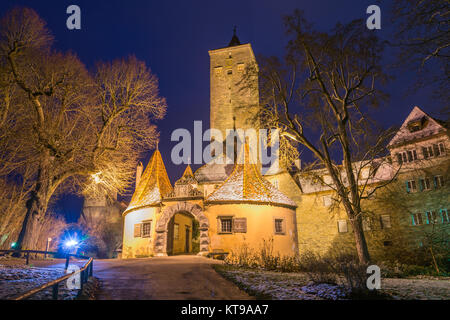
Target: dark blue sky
[(174, 37)]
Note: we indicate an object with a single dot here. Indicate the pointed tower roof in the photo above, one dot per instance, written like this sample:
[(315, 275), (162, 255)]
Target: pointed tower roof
[(246, 185), (153, 186), (418, 125), (187, 177), (234, 40)]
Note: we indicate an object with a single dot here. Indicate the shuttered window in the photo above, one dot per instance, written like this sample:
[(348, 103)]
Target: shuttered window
[(444, 216), (240, 225)]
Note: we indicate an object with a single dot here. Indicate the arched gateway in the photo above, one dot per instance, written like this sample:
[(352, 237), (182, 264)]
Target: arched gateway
[(163, 222)]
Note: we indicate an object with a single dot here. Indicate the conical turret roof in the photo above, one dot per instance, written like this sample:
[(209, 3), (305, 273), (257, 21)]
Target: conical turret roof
[(187, 177), (153, 186), (246, 184)]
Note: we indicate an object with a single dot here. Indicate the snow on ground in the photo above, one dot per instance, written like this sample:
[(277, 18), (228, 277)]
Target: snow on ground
[(16, 279), (296, 286)]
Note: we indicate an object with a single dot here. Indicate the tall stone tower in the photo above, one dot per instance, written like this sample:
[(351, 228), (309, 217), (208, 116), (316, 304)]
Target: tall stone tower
[(234, 86)]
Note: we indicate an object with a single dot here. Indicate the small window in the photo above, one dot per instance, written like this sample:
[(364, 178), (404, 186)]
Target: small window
[(137, 230), (441, 148), (444, 216), (230, 72), (385, 221), (438, 181), (146, 229), (279, 226), (226, 225), (408, 156), (431, 217), (240, 67), (417, 219), (411, 186), (342, 226), (387, 243), (176, 231), (327, 201)]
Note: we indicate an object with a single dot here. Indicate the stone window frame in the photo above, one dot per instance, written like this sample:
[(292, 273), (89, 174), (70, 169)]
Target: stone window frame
[(409, 186), (445, 217), (438, 181), (385, 221), (431, 214), (417, 219), (144, 225), (425, 184), (283, 226), (219, 224)]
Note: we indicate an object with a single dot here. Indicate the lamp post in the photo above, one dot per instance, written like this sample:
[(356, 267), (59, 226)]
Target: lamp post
[(47, 247)]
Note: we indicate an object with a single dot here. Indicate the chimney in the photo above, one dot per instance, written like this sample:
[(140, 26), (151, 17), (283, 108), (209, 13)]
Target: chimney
[(139, 169)]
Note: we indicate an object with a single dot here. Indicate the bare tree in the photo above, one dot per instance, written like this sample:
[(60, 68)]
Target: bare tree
[(75, 129), (325, 89), (423, 35)]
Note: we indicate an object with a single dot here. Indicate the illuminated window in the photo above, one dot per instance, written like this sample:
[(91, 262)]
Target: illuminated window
[(417, 219), (146, 229), (385, 221), (240, 67), (342, 226), (176, 231), (431, 217), (279, 226)]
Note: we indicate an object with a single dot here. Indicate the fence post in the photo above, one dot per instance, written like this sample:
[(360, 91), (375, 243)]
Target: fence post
[(91, 270), (55, 292), (28, 258), (67, 261)]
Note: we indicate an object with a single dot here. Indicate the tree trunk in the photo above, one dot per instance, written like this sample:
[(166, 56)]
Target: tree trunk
[(36, 208), (360, 241)]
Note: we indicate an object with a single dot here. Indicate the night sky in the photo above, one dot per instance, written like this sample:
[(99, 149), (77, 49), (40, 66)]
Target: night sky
[(173, 38)]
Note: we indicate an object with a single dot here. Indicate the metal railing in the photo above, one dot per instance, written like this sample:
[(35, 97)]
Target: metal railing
[(85, 272)]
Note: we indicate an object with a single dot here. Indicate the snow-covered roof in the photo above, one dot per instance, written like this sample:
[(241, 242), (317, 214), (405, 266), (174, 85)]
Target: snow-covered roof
[(153, 186), (213, 172), (245, 184), (430, 127)]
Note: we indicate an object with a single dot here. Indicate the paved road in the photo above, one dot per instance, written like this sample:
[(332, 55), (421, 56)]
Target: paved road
[(163, 278)]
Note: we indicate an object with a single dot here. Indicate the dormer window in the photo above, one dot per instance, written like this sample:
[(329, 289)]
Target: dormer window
[(417, 124)]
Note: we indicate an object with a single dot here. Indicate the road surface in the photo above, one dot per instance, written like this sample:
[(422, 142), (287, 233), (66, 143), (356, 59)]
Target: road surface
[(163, 278)]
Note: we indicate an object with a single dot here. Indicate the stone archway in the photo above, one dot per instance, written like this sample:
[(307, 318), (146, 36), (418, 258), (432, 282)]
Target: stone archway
[(162, 226)]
